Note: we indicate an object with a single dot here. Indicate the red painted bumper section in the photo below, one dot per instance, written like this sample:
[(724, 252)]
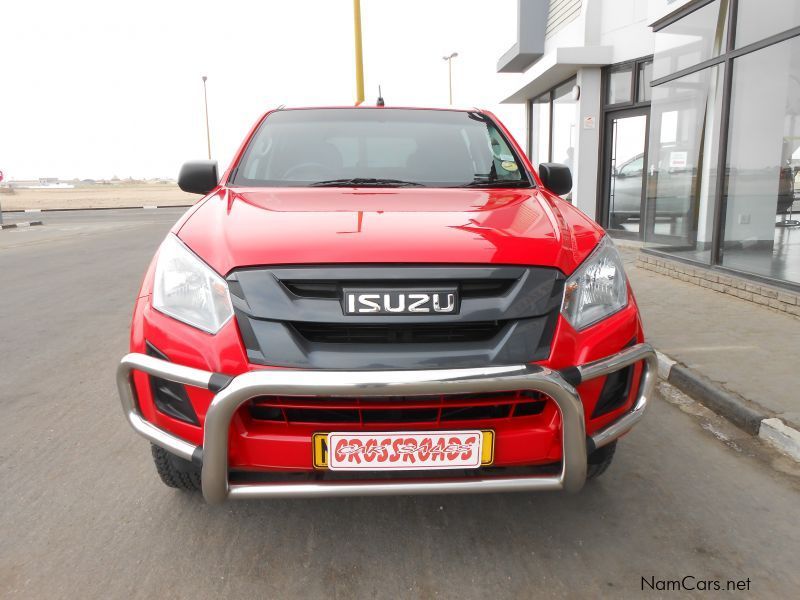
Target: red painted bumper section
[(286, 446)]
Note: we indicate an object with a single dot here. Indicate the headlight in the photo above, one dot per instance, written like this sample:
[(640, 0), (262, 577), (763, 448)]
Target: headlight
[(597, 289), (187, 289)]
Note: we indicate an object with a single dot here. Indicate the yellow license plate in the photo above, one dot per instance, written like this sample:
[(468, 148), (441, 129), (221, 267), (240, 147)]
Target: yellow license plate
[(403, 450)]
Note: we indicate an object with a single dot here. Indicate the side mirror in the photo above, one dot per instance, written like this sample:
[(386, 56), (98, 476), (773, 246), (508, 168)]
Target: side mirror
[(556, 177), (198, 176)]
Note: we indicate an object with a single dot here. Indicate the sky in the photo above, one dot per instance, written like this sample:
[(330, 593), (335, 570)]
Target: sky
[(101, 89)]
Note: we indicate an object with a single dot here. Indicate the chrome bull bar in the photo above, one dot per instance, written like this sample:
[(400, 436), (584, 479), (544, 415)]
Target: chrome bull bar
[(232, 392)]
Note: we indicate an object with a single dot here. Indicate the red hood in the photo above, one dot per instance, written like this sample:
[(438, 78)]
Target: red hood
[(244, 227)]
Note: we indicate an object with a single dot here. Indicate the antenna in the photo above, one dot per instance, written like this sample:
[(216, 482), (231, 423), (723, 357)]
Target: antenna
[(380, 101)]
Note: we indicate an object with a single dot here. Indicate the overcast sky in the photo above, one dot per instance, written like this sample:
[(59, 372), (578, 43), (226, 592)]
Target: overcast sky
[(95, 89)]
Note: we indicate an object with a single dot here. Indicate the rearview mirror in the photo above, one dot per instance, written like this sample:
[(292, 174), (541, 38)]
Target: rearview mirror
[(198, 176), (556, 177)]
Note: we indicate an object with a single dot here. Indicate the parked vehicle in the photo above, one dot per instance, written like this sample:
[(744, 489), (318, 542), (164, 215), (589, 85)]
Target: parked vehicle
[(625, 197), (383, 301), (672, 188)]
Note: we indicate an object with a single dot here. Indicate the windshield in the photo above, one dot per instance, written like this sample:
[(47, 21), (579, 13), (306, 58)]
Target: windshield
[(379, 147)]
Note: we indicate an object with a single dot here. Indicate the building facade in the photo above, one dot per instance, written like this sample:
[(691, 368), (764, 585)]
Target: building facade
[(679, 118)]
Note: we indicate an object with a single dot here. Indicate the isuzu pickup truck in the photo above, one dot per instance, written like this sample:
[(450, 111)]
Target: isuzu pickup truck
[(378, 300)]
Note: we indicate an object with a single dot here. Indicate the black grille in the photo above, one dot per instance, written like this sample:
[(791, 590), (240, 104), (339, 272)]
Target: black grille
[(169, 397), (431, 410), (615, 392), (616, 389), (408, 333), (293, 316), (467, 289)]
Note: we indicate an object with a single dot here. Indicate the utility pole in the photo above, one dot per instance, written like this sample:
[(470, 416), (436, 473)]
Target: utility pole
[(359, 56), (208, 131), (449, 60)]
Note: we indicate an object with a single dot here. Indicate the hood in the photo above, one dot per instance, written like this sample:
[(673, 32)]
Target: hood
[(279, 226)]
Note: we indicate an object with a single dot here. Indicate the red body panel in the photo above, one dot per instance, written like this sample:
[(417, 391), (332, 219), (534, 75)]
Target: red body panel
[(239, 227), (235, 227)]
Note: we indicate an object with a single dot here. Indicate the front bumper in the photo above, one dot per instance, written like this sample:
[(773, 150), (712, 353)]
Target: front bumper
[(232, 392)]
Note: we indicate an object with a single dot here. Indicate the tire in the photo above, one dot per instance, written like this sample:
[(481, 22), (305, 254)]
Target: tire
[(600, 460), (175, 471)]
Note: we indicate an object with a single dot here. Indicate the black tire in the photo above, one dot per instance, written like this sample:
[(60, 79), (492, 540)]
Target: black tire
[(175, 471), (600, 460)]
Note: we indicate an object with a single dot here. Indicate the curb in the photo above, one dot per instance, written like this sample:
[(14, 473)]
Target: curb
[(16, 225), (734, 409), (40, 210)]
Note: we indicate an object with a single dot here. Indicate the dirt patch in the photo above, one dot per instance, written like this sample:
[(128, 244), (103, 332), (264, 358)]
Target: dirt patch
[(98, 196)]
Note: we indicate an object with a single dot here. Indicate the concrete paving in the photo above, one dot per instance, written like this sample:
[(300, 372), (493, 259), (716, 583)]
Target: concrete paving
[(747, 348), (84, 515)]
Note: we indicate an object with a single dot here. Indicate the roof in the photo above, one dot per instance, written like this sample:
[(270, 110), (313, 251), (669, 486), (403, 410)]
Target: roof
[(372, 106)]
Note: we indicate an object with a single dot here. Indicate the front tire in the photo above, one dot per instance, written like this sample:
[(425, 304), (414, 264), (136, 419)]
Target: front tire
[(175, 471), (600, 460)]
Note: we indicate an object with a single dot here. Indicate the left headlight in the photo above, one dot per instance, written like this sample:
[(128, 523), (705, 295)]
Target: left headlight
[(187, 289), (597, 289)]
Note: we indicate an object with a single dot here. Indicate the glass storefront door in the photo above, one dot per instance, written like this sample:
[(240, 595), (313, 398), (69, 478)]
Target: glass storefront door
[(624, 160)]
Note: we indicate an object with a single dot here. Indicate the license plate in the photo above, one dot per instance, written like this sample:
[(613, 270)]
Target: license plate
[(403, 450)]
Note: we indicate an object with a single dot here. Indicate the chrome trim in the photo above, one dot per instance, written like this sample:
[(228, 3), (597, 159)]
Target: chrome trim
[(217, 489), (165, 370), (473, 485), (647, 385)]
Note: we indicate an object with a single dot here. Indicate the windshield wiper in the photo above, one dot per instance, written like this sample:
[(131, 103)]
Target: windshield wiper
[(366, 181), (479, 182)]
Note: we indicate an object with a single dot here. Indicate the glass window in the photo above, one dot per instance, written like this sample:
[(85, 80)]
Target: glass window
[(633, 168), (627, 154), (698, 36), (763, 163), (620, 86), (540, 129), (756, 19), (645, 77), (681, 161), (565, 124), (435, 148)]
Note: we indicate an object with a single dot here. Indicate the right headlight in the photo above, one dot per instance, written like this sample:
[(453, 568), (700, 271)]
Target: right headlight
[(187, 289), (597, 289)]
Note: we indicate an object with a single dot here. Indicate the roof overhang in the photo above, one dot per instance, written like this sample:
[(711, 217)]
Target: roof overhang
[(531, 33), (554, 67), (516, 61)]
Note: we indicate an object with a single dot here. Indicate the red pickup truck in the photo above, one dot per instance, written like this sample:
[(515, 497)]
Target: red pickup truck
[(379, 300)]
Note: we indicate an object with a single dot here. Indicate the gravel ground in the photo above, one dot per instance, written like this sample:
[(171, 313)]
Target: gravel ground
[(97, 196)]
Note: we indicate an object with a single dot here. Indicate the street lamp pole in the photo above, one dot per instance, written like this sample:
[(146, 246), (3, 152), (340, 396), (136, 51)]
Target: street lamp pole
[(359, 54), (449, 60), (208, 131)]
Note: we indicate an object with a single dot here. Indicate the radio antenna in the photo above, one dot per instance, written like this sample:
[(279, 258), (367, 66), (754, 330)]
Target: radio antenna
[(380, 101)]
